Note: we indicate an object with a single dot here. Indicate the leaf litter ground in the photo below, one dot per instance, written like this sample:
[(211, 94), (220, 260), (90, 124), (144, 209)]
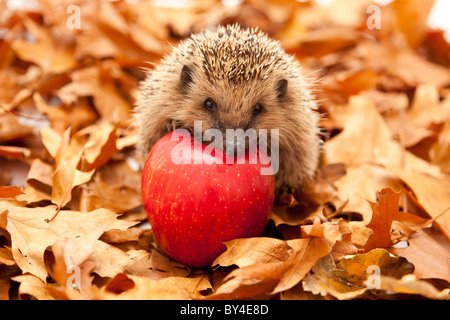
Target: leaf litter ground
[(373, 224)]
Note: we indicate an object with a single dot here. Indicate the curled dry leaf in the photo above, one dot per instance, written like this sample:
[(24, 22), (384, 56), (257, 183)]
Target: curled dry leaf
[(353, 280), (245, 252), (130, 287)]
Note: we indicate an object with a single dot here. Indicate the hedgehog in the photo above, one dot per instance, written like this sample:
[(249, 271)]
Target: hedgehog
[(234, 78)]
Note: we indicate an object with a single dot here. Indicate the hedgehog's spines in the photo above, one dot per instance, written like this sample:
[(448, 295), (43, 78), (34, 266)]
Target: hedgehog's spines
[(235, 54)]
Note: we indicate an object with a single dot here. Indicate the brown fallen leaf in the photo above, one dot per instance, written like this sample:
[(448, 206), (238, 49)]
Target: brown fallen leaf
[(426, 107), (66, 175), (440, 150), (355, 277), (356, 269), (361, 118), (384, 212), (245, 252), (249, 281), (9, 192), (112, 182), (306, 252), (97, 83), (24, 224), (51, 55), (410, 285), (361, 184), (432, 192), (100, 146), (32, 286), (130, 287), (430, 256), (10, 129), (323, 282), (12, 152), (411, 19), (60, 117), (71, 270)]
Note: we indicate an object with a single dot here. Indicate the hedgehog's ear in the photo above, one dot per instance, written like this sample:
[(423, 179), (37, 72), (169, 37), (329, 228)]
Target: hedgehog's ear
[(281, 88), (186, 77)]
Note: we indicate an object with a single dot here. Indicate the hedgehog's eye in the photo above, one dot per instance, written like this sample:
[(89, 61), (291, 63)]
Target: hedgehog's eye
[(209, 104), (257, 108)]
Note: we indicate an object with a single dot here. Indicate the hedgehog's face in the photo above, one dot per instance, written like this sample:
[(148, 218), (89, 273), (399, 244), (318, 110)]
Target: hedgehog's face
[(223, 105)]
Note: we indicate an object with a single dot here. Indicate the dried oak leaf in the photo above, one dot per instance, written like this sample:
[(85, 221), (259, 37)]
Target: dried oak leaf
[(248, 251), (355, 269), (352, 280), (117, 180), (324, 282), (361, 119), (32, 286), (384, 212), (440, 151), (97, 82), (410, 285), (429, 254), (361, 184), (10, 192), (31, 235), (66, 175), (273, 277), (131, 287), (47, 51), (432, 192)]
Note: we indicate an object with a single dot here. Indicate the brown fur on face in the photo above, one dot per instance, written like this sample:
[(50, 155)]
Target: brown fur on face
[(238, 70)]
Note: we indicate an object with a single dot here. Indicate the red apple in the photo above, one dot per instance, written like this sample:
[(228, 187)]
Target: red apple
[(193, 207)]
